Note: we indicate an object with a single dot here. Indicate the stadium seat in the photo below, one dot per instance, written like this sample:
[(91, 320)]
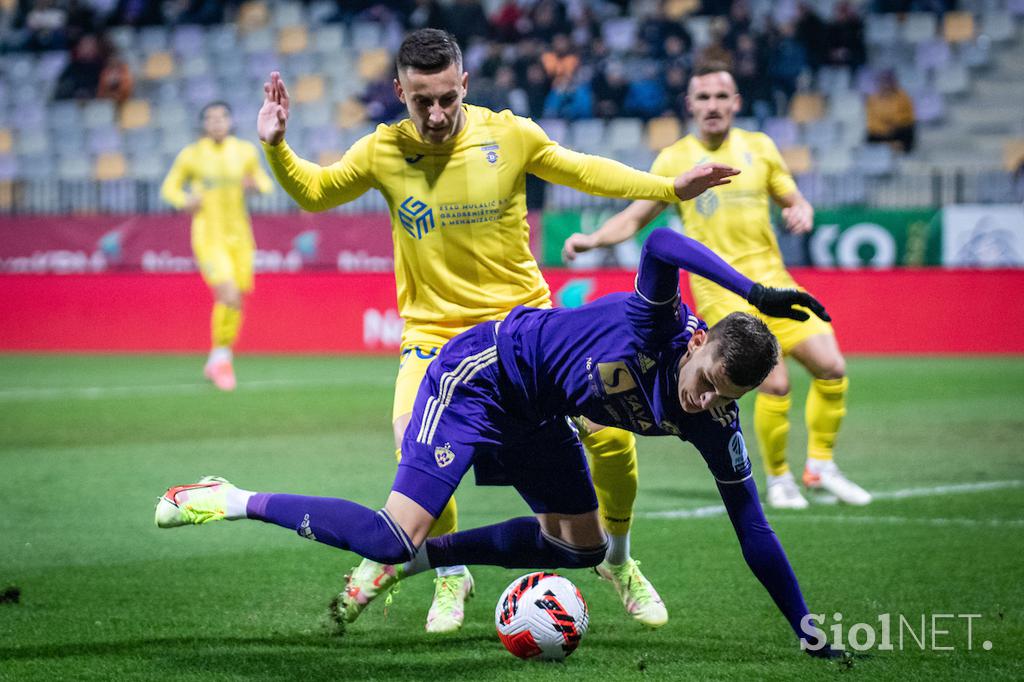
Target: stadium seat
[(663, 131), (976, 54), (74, 168), (953, 80), (314, 114), (293, 40), (195, 65), (624, 134), (374, 64), (806, 107), (222, 40), (932, 54), (797, 158), (158, 65), (6, 141), (587, 135), (110, 166), (32, 142), (999, 27), (7, 191), (958, 27), (1013, 155), (834, 79), (259, 65), (328, 39), (200, 91), (874, 159), (678, 9), (822, 134), (98, 113), (174, 140), (173, 116), (309, 88), (366, 35), (252, 16), (919, 26), (51, 65), (783, 131), (104, 139), (929, 107), (259, 40), (122, 38), (619, 33), (188, 40), (700, 30), (881, 29), (148, 167), (556, 128), (834, 160), (350, 113), (152, 39), (288, 14)]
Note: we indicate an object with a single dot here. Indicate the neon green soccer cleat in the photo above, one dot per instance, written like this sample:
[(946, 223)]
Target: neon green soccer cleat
[(638, 595), (366, 582), (451, 592), (195, 504)]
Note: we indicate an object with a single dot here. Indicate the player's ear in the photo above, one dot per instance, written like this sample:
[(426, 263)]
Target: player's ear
[(399, 93), (465, 83), (737, 103), (699, 338)]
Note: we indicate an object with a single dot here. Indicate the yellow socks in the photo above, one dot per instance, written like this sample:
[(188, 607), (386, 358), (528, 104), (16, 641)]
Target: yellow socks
[(614, 469), (771, 426), (826, 405), (225, 323)]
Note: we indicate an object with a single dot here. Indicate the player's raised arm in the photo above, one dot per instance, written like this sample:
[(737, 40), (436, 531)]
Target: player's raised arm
[(665, 252), (313, 187)]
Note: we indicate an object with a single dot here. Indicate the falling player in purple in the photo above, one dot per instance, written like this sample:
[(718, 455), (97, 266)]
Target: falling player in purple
[(498, 397)]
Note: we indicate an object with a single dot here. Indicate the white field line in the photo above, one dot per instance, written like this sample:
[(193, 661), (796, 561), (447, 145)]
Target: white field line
[(99, 392), (905, 493), (906, 520)]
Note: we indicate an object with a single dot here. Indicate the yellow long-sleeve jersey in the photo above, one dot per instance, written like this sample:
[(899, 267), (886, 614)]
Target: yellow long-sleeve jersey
[(733, 220), (458, 210), (216, 172)]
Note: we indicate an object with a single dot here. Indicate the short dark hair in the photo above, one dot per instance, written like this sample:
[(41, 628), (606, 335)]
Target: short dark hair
[(429, 50), (211, 105), (708, 67), (746, 345)]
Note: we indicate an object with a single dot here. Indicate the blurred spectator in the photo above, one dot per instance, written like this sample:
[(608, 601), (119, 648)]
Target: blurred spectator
[(787, 59), (646, 97), (137, 13), (890, 114), (508, 21), (739, 23), (811, 32), (425, 14), (81, 77), (610, 87), (657, 29), (466, 20), (846, 37), (45, 26), (201, 12), (560, 61), (570, 100), (715, 51), (379, 98), (536, 86), (676, 83), (748, 71), (498, 92), (548, 19), (715, 7), (116, 81)]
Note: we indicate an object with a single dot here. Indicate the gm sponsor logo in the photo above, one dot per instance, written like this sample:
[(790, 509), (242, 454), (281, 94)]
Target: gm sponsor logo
[(417, 218)]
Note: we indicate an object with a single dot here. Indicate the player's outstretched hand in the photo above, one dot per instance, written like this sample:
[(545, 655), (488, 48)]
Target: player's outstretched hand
[(273, 116), (702, 177), (799, 218), (575, 245), (780, 302)]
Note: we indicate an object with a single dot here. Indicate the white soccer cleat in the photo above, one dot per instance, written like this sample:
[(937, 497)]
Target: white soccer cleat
[(193, 504), (638, 595), (783, 493), (451, 592), (830, 479)]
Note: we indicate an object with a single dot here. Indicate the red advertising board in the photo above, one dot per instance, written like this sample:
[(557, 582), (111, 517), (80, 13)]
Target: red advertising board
[(891, 311)]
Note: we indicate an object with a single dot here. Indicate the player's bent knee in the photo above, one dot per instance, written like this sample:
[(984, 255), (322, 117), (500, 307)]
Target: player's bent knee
[(571, 556)]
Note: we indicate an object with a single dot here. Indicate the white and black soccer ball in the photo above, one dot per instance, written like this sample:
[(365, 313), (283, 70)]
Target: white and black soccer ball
[(541, 615)]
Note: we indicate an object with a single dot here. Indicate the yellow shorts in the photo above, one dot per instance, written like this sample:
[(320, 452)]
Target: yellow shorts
[(411, 370), (221, 263), (790, 333)]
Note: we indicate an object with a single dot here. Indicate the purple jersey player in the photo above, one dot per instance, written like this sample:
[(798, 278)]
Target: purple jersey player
[(498, 397)]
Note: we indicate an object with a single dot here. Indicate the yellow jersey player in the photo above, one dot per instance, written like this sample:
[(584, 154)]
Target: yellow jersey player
[(453, 176), (210, 179), (734, 221)]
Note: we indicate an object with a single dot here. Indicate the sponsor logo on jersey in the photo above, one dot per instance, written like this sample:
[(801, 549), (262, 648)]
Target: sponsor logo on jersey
[(738, 451), (616, 377), (443, 455), (645, 361), (725, 415), (416, 217), (669, 427)]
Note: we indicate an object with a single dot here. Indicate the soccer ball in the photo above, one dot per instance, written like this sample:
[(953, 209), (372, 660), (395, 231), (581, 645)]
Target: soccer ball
[(541, 615)]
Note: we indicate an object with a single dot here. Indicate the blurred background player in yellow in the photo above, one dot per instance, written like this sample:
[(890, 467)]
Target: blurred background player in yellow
[(209, 179), (734, 221), (454, 179)]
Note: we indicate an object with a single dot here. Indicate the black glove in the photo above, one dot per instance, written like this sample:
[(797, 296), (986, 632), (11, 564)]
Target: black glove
[(780, 302)]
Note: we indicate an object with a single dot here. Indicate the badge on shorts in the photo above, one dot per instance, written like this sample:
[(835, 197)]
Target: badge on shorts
[(443, 455)]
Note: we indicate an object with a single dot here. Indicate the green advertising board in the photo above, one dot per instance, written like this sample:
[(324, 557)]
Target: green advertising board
[(875, 238), (558, 225)]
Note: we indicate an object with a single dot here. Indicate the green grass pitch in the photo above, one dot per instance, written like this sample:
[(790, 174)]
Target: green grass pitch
[(88, 443)]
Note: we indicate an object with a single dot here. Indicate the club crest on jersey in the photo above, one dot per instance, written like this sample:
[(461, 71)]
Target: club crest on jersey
[(490, 153), (616, 377), (707, 202), (443, 455), (416, 217)]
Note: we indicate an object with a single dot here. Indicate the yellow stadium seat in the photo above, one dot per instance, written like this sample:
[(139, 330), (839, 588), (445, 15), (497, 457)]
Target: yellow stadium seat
[(6, 141), (798, 159), (6, 195), (958, 27), (309, 89), (806, 107), (110, 166), (1013, 154), (329, 156), (374, 64), (663, 131), (677, 9), (159, 65), (350, 113), (135, 113), (292, 40), (252, 15)]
